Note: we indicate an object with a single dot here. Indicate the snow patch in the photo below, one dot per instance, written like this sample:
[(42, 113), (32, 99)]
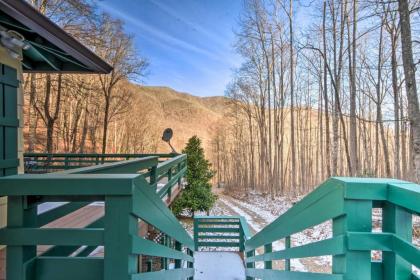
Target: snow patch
[(208, 266)]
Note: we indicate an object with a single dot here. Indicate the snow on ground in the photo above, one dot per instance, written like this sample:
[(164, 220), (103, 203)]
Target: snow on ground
[(260, 211), (257, 217), (213, 265)]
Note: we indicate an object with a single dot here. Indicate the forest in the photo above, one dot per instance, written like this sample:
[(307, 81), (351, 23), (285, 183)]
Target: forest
[(75, 113), (334, 97), (330, 94)]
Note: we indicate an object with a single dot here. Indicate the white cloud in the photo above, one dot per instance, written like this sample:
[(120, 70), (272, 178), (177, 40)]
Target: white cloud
[(216, 38), (162, 38)]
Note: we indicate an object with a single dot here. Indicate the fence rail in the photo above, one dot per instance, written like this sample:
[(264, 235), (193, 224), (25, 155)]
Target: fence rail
[(133, 189), (162, 171), (348, 203), (50, 162), (131, 200)]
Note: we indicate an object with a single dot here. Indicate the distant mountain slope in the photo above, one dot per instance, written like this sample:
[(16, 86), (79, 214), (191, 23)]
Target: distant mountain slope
[(186, 114)]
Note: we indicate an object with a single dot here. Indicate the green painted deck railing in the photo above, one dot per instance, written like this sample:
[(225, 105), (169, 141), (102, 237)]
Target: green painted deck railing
[(50, 162), (131, 193), (163, 171), (215, 232), (348, 203), (128, 190)]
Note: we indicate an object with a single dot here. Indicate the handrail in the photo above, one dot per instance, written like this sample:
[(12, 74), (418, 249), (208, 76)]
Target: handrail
[(119, 167), (166, 170), (220, 232), (348, 202), (128, 198), (163, 170), (47, 162), (166, 174), (169, 155)]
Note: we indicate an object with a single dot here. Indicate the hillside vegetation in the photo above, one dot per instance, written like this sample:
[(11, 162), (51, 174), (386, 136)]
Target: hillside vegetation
[(186, 114), (150, 111)]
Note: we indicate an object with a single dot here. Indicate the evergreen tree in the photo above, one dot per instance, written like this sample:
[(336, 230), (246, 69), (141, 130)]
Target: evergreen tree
[(197, 195)]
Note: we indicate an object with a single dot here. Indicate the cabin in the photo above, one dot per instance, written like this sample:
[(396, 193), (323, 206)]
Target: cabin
[(107, 216), (31, 43)]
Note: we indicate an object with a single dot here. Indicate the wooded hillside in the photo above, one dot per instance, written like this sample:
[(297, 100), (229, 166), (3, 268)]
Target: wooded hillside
[(139, 128), (334, 96), (352, 65)]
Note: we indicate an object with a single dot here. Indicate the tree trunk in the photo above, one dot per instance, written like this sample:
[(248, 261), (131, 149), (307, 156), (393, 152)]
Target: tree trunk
[(105, 125), (403, 141), (380, 128), (292, 118), (395, 89), (32, 118), (327, 117), (410, 83), (352, 69)]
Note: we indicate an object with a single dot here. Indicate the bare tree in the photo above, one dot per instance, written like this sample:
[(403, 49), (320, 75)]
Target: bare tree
[(410, 82), (118, 50)]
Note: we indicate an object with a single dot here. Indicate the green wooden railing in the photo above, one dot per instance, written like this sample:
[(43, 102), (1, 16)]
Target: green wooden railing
[(163, 171), (50, 162), (348, 203), (214, 232), (131, 194), (131, 202)]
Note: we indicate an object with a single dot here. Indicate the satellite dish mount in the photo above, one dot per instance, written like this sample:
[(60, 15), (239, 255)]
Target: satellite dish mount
[(167, 136)]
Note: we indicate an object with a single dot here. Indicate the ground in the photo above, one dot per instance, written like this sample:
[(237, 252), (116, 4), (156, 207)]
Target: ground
[(260, 210)]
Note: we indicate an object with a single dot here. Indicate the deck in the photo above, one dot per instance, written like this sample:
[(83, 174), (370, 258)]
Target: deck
[(77, 219), (143, 195), (86, 215)]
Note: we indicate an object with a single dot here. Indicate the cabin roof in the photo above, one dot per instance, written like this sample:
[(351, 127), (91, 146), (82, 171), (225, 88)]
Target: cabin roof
[(51, 48)]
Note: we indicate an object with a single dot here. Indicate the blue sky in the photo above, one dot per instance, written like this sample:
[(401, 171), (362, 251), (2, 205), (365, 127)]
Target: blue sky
[(189, 43)]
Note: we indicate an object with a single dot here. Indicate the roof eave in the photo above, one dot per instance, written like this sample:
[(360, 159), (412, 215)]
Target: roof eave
[(28, 16)]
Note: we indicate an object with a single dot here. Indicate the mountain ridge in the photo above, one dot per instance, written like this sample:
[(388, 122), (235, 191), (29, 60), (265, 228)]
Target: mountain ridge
[(185, 113)]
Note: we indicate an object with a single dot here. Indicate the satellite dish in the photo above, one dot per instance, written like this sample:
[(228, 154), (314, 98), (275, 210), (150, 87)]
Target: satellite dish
[(167, 136)]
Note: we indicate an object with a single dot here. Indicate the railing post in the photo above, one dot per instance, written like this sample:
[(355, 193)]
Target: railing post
[(49, 159), (149, 264), (190, 264), (196, 234), (241, 238), (354, 265), (398, 221), (179, 179), (153, 176), (250, 264), (19, 216), (119, 261), (268, 248), (170, 187), (164, 261), (287, 245), (66, 162), (178, 247)]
